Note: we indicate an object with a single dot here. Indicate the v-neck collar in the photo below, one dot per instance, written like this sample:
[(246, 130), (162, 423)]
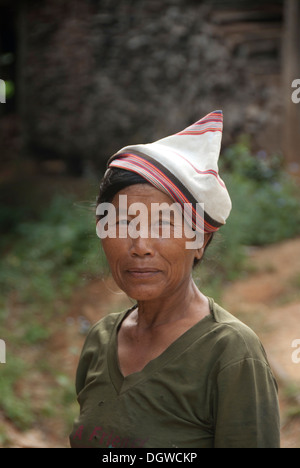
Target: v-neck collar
[(121, 383)]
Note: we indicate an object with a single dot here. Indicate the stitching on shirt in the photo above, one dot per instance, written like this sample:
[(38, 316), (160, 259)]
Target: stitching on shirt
[(232, 364)]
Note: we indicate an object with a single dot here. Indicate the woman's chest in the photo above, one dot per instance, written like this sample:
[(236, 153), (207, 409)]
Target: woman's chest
[(141, 414), (135, 352)]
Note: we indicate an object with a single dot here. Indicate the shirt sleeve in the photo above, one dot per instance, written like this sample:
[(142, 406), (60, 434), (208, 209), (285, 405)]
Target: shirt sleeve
[(88, 353), (246, 406)]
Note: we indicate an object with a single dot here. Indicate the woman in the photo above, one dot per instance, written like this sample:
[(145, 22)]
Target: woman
[(176, 370)]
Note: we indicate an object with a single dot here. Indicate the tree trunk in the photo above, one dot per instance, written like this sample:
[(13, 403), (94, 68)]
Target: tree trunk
[(291, 72)]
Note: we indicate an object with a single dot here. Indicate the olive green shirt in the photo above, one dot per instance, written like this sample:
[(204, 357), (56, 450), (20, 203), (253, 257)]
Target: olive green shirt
[(211, 388)]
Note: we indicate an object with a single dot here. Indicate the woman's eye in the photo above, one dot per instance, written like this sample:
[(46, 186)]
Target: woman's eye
[(122, 222), (164, 222)]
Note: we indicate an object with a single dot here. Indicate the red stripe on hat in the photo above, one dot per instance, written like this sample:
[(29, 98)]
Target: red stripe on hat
[(212, 118), (208, 171)]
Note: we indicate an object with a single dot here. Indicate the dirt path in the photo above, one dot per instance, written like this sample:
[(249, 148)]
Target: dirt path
[(269, 302)]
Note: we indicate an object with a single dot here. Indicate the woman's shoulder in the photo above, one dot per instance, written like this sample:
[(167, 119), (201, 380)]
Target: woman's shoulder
[(236, 340), (104, 327)]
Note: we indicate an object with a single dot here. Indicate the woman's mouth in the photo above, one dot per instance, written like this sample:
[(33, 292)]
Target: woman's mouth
[(143, 273)]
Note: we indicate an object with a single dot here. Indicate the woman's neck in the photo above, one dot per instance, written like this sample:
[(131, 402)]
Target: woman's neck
[(186, 303)]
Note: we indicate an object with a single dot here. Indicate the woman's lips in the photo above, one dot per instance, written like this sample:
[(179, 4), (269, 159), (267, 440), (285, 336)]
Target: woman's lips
[(142, 273)]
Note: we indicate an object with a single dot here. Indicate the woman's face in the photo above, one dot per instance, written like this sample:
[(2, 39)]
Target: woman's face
[(149, 267)]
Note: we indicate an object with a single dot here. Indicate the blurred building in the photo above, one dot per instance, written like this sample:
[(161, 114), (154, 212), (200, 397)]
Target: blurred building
[(91, 76)]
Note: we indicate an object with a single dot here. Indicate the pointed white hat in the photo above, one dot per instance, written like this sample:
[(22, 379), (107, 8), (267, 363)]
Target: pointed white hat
[(185, 166)]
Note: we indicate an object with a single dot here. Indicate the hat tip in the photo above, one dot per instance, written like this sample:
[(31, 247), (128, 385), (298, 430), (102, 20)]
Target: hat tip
[(212, 122)]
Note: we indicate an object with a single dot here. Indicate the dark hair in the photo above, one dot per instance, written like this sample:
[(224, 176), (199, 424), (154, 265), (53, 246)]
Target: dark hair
[(116, 180)]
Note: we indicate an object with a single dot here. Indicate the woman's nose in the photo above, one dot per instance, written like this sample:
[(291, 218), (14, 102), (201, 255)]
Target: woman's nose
[(142, 247)]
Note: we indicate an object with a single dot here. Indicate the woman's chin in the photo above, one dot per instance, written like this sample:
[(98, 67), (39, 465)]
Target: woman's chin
[(143, 293)]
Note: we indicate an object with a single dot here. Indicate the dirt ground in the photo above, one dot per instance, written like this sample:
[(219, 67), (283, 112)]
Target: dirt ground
[(268, 301)]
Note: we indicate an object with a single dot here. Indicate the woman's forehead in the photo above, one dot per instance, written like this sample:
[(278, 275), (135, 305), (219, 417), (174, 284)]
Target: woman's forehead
[(145, 193)]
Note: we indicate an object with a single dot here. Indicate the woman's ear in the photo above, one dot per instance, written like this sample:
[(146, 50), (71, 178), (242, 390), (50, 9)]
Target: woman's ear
[(200, 252)]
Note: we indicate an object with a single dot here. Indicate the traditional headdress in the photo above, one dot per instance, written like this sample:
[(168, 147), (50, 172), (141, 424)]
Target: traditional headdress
[(185, 166)]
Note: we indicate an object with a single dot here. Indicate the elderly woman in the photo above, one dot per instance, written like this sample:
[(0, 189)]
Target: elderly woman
[(176, 370)]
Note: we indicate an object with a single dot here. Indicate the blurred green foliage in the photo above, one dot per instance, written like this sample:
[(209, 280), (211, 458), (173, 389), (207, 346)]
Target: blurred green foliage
[(266, 210), (265, 198), (10, 89), (16, 408), (46, 257)]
